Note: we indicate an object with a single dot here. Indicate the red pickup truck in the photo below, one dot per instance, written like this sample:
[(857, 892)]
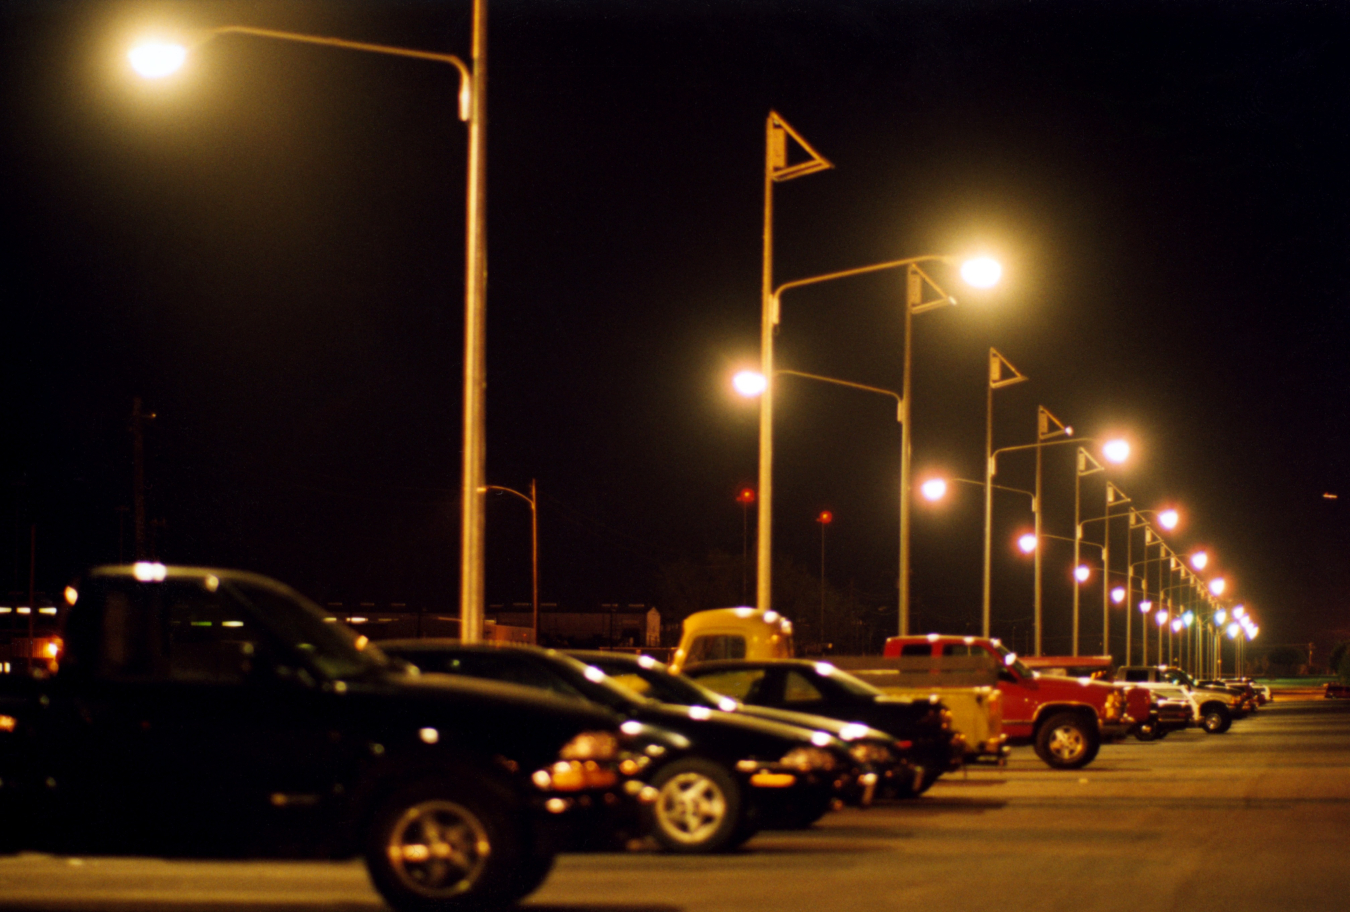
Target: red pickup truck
[(1067, 719)]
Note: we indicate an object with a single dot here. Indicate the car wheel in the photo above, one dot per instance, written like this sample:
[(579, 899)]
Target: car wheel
[(439, 846), (1067, 741), (1148, 732), (1216, 720), (698, 807)]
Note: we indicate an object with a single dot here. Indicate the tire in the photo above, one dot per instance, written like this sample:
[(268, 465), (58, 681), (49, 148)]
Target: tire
[(1068, 741), (1216, 720), (438, 846), (699, 808), (1149, 732)]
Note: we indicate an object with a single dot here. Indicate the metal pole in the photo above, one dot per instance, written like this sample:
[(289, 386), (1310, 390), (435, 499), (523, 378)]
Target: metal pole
[(534, 556), (1129, 580), (472, 489), (1106, 575), (1077, 537), (1036, 509), (988, 502), (913, 297), (768, 319)]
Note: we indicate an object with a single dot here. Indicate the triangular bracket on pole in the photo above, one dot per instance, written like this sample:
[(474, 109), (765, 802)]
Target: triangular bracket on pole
[(1047, 425), (781, 136), (997, 365)]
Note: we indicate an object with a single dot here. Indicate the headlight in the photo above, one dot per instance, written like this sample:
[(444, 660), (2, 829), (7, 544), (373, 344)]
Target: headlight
[(807, 759), (871, 753), (591, 745)]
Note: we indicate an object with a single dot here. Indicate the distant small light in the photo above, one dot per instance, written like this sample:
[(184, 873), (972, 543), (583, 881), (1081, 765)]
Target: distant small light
[(429, 735), (46, 611), (23, 610), (1239, 611), (232, 624), (356, 620), (726, 704), (1221, 617), (72, 596), (630, 727), (212, 582), (853, 731), (770, 617), (1161, 616), (1233, 629), (362, 642), (52, 649), (700, 713), (1145, 606), (593, 674), (1177, 625)]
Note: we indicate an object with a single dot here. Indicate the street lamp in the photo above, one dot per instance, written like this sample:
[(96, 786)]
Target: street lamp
[(1199, 560), (1114, 451), (533, 501), (997, 380), (1048, 427), (158, 59)]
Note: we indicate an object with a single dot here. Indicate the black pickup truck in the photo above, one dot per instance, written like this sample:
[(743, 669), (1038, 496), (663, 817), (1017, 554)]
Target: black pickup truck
[(212, 713)]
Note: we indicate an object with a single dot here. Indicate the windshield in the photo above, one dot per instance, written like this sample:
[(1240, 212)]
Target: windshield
[(667, 687), (335, 650), (1010, 660), (1177, 676), (856, 687)]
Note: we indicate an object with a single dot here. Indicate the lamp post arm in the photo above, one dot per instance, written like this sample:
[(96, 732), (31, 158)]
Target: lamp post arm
[(465, 78), (899, 400), (864, 270), (1065, 538), (487, 488), (998, 487)]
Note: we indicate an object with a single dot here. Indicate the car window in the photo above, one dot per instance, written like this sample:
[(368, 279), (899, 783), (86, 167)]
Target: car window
[(709, 647), (960, 649), (916, 649), (799, 689), (500, 666), (636, 683), (1136, 674), (744, 684), (211, 639)]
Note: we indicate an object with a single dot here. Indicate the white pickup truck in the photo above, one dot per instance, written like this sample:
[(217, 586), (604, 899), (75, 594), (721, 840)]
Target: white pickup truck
[(1215, 708)]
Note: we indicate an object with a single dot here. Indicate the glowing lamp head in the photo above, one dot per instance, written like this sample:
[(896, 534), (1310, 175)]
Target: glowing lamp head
[(1027, 543), (1240, 611), (749, 383), (1188, 618), (1116, 451), (1081, 573), (934, 489), (1199, 560), (1118, 594), (1177, 625), (981, 272), (1216, 585), (1161, 616), (1220, 617), (1233, 629), (157, 59), (1145, 606), (1168, 519), (825, 517)]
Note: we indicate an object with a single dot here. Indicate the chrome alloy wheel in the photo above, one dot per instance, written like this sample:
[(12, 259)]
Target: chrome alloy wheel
[(438, 848), (1066, 742), (690, 808)]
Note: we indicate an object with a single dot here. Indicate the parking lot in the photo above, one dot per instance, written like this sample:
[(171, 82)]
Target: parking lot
[(1253, 819)]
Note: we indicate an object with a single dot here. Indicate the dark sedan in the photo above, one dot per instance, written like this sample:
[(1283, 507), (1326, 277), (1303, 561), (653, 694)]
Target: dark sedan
[(821, 689), (898, 774), (736, 774)]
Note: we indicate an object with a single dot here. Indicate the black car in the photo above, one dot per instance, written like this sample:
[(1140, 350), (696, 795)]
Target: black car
[(213, 713), (821, 689), (736, 775), (890, 758)]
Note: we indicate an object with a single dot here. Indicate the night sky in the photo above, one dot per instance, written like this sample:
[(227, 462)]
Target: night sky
[(268, 251)]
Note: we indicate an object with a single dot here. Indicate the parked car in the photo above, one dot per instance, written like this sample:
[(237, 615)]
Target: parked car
[(213, 713), (901, 765), (1336, 691), (820, 688), (1174, 709), (736, 774), (1216, 706), (1065, 719)]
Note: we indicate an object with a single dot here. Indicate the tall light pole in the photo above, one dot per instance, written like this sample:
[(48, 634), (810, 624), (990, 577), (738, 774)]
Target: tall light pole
[(979, 273), (533, 501), (1048, 427), (1114, 497), (745, 497), (997, 380), (825, 518), (159, 59)]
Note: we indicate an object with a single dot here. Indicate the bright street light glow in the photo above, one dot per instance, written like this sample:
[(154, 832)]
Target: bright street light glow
[(1144, 606), (1118, 594), (157, 59), (1177, 625), (1233, 629), (1081, 573), (1239, 611), (1116, 451), (1220, 617), (750, 383), (1161, 616), (1168, 519), (1027, 543), (934, 489), (1199, 560), (1216, 586), (981, 272)]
